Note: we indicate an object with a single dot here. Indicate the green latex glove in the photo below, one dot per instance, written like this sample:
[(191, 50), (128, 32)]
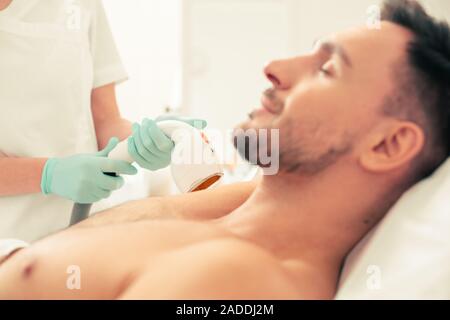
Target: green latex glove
[(82, 178), (150, 147)]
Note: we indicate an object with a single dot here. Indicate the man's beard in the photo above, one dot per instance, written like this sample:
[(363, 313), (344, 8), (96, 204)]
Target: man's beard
[(294, 154), (309, 157), (258, 146)]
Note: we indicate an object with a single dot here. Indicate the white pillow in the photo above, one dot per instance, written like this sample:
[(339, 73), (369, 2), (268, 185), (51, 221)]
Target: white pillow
[(407, 256)]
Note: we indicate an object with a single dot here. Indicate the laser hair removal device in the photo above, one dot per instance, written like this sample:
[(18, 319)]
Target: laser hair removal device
[(194, 164)]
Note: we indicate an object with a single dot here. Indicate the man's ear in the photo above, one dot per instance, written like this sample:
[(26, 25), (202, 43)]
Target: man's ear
[(393, 146)]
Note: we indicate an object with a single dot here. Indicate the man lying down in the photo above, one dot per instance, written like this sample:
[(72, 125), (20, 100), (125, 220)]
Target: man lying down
[(362, 118)]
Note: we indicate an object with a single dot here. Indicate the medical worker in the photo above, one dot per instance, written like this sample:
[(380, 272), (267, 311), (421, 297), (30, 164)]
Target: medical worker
[(58, 70)]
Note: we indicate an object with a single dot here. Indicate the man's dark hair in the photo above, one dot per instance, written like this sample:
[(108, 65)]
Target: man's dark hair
[(424, 93)]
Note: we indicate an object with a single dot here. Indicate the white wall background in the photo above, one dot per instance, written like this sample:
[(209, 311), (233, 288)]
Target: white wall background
[(223, 45), (147, 33)]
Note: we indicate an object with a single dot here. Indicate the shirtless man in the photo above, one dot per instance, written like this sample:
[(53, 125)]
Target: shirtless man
[(361, 119)]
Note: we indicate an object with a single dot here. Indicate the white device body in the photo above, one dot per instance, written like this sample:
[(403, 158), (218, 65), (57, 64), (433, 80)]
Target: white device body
[(193, 159)]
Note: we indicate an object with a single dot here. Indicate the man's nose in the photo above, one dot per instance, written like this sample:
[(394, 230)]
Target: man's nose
[(281, 74)]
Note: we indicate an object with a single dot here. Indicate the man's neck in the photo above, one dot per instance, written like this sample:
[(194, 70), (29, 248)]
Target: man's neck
[(315, 219)]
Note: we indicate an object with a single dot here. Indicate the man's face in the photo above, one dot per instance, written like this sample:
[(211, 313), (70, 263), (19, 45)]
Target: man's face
[(326, 102)]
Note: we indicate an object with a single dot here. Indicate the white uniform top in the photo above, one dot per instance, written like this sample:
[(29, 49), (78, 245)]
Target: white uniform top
[(52, 54)]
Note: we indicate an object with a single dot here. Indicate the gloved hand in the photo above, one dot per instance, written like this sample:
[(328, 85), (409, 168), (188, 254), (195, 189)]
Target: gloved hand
[(150, 147), (82, 178)]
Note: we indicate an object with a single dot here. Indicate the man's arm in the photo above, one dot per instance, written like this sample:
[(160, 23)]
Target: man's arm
[(202, 205), (217, 269)]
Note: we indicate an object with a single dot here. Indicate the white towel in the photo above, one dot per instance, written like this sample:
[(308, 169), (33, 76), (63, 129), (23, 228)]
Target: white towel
[(9, 246)]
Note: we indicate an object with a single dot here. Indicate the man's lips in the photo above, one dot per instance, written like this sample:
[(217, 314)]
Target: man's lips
[(269, 105)]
